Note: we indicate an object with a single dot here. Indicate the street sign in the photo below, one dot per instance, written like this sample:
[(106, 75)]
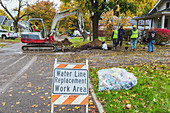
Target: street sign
[(70, 84)]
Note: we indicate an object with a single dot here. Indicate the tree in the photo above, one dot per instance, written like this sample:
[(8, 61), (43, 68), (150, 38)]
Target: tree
[(71, 22), (18, 17), (95, 8), (142, 6), (42, 9), (3, 13)]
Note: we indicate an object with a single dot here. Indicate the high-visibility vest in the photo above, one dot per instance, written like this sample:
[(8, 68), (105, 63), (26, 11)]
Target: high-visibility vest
[(35, 28), (135, 34), (115, 34)]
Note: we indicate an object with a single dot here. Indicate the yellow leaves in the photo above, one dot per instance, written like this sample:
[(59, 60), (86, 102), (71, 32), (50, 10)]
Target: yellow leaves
[(68, 109), (29, 91), (114, 100), (3, 103), (46, 93), (18, 102), (12, 106), (77, 107), (134, 95), (29, 84), (35, 105)]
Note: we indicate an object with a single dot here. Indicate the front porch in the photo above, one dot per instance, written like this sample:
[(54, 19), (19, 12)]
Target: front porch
[(157, 20)]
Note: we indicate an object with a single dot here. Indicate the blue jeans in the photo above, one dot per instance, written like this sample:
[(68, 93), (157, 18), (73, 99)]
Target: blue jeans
[(151, 44), (133, 41)]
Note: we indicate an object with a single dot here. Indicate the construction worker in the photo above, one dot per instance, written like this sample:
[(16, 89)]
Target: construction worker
[(134, 34), (121, 34), (114, 37), (151, 40), (35, 27)]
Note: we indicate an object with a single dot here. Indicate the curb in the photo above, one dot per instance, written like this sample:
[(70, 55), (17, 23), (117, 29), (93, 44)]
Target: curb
[(98, 104)]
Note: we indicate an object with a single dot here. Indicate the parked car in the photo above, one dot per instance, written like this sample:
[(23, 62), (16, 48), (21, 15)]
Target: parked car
[(76, 33), (4, 34)]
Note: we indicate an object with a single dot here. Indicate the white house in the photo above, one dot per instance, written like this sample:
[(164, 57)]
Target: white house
[(159, 16)]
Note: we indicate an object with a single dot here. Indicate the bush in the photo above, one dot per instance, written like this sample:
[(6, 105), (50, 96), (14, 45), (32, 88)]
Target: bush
[(162, 35)]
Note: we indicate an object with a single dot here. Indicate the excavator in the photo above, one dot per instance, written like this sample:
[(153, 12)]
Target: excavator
[(43, 41)]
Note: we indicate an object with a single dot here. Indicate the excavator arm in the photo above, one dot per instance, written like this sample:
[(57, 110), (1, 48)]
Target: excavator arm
[(66, 13)]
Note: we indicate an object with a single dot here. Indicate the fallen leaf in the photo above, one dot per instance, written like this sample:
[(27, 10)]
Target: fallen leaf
[(17, 102), (77, 107), (12, 106), (128, 106), (3, 103)]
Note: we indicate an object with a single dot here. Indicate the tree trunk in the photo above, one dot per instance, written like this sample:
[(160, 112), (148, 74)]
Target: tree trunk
[(15, 26), (95, 21)]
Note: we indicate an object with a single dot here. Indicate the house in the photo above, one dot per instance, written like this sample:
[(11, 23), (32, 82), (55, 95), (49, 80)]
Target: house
[(6, 23), (3, 20), (159, 16)]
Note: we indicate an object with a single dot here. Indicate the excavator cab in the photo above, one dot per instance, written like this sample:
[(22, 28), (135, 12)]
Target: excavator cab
[(35, 37)]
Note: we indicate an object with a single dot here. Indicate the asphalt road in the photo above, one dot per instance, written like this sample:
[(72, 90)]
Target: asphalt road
[(26, 78), (25, 82)]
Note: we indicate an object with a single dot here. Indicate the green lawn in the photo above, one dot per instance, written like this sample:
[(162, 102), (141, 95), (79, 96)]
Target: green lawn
[(151, 94), (17, 40)]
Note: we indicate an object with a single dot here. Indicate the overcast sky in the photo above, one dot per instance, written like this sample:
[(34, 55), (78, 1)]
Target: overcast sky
[(14, 3)]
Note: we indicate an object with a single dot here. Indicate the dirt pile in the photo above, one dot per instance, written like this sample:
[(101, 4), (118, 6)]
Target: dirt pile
[(64, 42), (93, 45)]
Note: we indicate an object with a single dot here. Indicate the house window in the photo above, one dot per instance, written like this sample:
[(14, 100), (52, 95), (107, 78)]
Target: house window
[(168, 5)]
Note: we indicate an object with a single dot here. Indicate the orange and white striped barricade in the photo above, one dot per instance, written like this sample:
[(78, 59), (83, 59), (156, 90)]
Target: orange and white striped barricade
[(70, 84)]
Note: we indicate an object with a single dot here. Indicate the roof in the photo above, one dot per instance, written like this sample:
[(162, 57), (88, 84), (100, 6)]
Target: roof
[(149, 16), (159, 2)]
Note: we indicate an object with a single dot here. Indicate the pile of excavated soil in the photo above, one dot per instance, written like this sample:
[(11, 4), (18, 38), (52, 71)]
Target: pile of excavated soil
[(64, 42), (93, 45)]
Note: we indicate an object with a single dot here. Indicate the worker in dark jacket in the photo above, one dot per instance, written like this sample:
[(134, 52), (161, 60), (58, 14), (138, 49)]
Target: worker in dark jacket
[(114, 37), (151, 40), (121, 34), (134, 34)]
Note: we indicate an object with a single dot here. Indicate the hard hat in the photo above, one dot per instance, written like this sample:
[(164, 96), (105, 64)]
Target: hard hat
[(134, 26), (114, 27)]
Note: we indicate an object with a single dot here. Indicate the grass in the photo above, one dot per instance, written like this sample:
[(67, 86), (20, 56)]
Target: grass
[(17, 40), (151, 94), (78, 41)]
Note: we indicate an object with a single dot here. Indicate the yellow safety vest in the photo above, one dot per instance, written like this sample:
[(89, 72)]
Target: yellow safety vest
[(134, 34), (115, 34), (35, 28)]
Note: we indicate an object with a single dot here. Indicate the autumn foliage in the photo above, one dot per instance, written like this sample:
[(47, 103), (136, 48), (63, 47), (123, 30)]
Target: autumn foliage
[(163, 35)]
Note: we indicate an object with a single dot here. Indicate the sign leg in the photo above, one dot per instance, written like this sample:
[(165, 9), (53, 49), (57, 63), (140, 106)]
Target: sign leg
[(52, 108), (87, 108)]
